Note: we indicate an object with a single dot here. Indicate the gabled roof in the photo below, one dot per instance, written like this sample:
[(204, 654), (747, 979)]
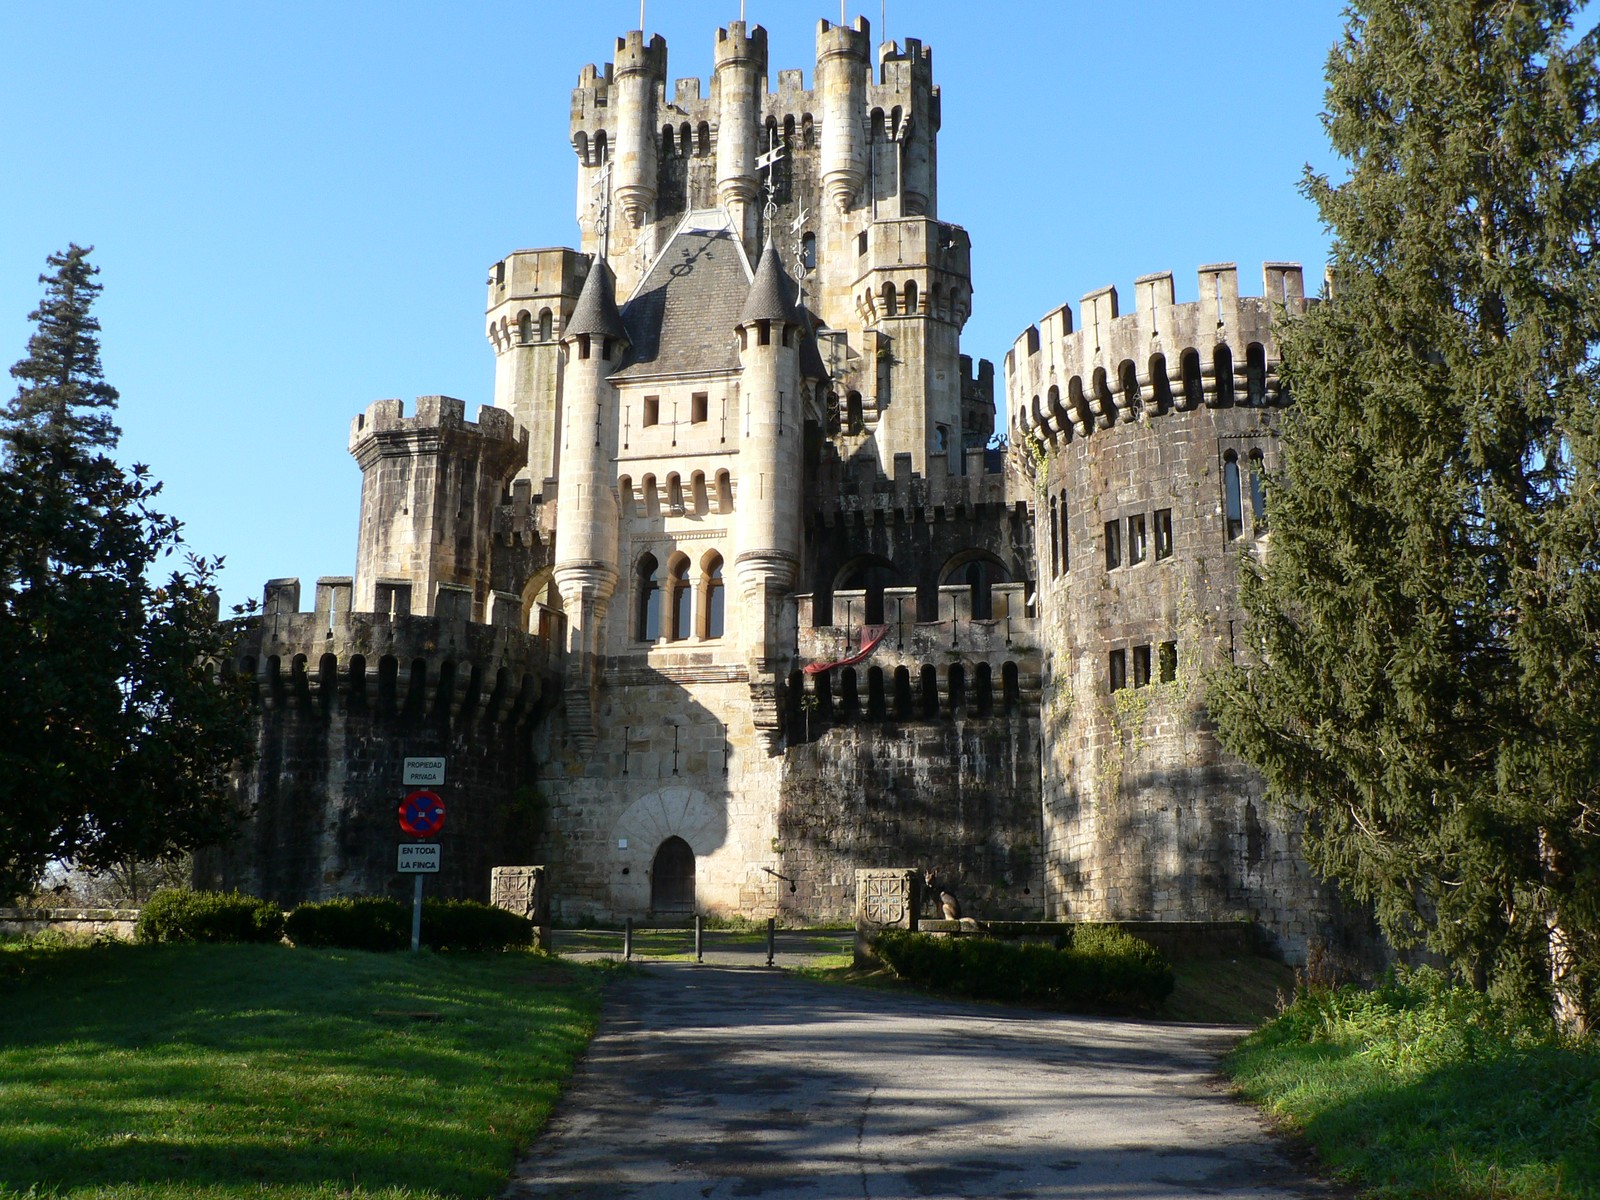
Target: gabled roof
[(596, 311), (682, 317)]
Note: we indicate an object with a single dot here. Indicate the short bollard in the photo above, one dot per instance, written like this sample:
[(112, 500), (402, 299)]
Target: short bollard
[(699, 938), (772, 937), (627, 940)]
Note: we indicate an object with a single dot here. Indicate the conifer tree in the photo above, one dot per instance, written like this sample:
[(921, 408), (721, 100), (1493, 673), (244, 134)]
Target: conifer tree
[(117, 736), (1424, 676)]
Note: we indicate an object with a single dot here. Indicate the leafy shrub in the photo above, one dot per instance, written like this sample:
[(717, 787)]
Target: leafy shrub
[(367, 923), (174, 915), (1101, 967), (374, 923), (468, 925)]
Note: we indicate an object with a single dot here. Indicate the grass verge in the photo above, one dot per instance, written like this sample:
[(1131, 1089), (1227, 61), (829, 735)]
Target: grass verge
[(144, 1072), (1419, 1089)]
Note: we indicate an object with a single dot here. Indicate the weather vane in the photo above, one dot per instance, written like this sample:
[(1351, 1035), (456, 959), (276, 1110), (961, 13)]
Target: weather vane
[(601, 187)]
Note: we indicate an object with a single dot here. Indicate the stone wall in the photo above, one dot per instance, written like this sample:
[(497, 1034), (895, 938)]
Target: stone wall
[(344, 698)]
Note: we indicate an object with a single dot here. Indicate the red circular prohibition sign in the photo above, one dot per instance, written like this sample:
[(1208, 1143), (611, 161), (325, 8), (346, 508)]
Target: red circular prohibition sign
[(422, 813)]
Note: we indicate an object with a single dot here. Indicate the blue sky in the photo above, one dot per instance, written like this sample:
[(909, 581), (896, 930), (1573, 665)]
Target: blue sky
[(295, 204)]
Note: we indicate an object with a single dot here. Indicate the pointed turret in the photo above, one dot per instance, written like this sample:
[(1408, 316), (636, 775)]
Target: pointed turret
[(769, 464), (771, 292), (596, 313), (586, 545)]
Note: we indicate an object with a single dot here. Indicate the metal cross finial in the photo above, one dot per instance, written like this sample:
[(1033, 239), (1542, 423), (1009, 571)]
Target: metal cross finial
[(601, 187), (768, 163)]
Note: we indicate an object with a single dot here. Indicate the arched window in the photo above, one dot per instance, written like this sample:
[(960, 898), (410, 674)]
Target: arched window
[(546, 325), (724, 492), (713, 604), (1129, 378), (1010, 687), (1258, 495), (911, 297), (890, 305), (1160, 384), (580, 143), (1222, 367), (1193, 388), (647, 603), (625, 497), (681, 599), (524, 327), (666, 141), (1233, 507), (703, 139), (902, 692), (600, 155), (1255, 374)]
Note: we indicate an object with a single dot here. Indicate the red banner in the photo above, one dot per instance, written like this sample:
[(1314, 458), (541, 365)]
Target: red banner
[(871, 635)]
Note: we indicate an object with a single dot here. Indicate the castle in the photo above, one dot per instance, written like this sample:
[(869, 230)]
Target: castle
[(726, 595)]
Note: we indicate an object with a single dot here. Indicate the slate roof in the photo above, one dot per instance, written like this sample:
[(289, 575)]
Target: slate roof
[(772, 295), (596, 310), (682, 317)]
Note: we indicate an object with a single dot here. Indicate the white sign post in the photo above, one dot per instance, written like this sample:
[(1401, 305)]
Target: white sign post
[(419, 859)]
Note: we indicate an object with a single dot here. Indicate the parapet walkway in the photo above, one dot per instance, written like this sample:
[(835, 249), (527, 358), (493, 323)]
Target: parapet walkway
[(718, 1081)]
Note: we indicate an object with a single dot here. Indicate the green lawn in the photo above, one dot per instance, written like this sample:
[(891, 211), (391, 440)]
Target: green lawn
[(1427, 1092), (220, 1071)]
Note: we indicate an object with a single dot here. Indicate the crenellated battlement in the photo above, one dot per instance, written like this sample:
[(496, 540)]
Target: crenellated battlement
[(1064, 382), (738, 43), (857, 490), (494, 670), (635, 56), (434, 415)]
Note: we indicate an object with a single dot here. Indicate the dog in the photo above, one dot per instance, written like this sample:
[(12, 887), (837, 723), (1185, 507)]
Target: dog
[(944, 899)]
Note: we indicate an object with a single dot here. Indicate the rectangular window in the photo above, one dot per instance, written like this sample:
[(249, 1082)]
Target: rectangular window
[(1113, 545), (861, 242), (1141, 666), (652, 410), (1118, 670), (1163, 521), (1168, 662), (1136, 539), (699, 406)]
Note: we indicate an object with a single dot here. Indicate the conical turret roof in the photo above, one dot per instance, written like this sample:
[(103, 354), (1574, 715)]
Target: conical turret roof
[(771, 292), (596, 312)]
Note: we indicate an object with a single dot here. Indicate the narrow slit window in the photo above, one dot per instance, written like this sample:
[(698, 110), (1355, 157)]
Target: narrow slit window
[(1163, 533), (1117, 669), (1113, 545), (1055, 540), (1258, 495)]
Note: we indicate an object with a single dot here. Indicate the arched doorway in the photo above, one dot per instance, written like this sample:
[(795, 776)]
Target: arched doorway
[(672, 877)]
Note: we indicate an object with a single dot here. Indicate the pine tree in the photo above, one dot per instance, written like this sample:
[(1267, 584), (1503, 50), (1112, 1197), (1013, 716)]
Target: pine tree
[(1425, 625), (117, 736)]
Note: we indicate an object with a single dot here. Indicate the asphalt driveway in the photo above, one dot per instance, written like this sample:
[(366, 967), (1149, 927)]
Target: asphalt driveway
[(711, 1081)]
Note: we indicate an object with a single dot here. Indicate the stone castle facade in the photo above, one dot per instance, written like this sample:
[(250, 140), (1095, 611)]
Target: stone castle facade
[(726, 595)]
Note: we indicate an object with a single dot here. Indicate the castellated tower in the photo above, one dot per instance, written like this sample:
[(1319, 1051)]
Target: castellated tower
[(726, 597), (1148, 437)]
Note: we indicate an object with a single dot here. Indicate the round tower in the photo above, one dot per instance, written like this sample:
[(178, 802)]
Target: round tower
[(841, 81), (640, 73), (770, 451), (586, 543), (737, 85)]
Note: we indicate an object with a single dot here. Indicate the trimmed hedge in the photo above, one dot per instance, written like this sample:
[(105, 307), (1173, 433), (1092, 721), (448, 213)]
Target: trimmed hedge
[(1099, 967), (375, 923), (174, 915)]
